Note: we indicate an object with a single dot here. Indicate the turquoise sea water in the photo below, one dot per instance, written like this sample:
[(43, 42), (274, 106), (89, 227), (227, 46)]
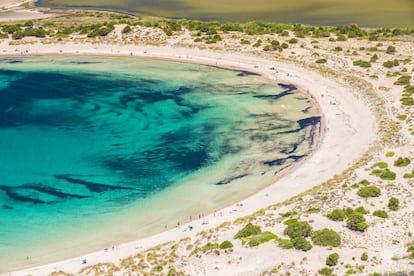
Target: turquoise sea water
[(102, 150)]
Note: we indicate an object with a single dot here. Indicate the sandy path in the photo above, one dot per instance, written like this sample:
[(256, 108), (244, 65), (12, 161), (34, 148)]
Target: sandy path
[(349, 128)]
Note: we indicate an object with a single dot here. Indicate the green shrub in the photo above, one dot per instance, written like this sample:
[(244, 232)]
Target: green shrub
[(285, 243), (364, 182), (387, 175), (284, 33), (382, 165), (391, 63), (403, 80), (290, 221), (409, 175), (394, 204), (244, 42), (341, 37), (127, 29), (356, 222), (249, 230), (380, 214), (402, 162), (390, 154), (332, 259), (263, 237), (374, 58), (410, 249), (326, 237), (369, 191), (275, 43), (298, 229), (313, 210), (300, 243), (376, 172), (321, 61), (326, 271), (409, 89), (409, 101), (254, 243), (338, 49), (390, 50), (362, 63), (18, 35), (361, 210), (210, 246), (337, 215), (257, 44), (402, 117), (348, 211), (10, 29), (364, 257), (293, 41), (288, 214), (226, 245)]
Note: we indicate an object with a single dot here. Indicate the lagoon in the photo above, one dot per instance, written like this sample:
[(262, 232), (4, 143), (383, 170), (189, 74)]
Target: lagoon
[(367, 13)]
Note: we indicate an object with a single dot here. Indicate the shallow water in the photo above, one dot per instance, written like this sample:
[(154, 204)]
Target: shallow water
[(102, 150), (367, 13)]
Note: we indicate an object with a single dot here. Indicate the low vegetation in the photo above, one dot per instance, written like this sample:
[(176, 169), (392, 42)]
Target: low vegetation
[(332, 259), (362, 63), (285, 243), (356, 222), (300, 243), (326, 271), (390, 154), (298, 229), (369, 191), (403, 80), (321, 61), (394, 204), (391, 63), (249, 230), (226, 245), (410, 250), (380, 214), (326, 237), (402, 162), (384, 174), (364, 257), (258, 239), (337, 215), (409, 175)]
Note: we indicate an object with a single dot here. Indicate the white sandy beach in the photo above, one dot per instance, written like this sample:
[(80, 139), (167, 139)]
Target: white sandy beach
[(345, 136), (12, 10)]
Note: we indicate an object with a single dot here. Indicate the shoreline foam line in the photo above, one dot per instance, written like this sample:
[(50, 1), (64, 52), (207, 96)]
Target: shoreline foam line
[(345, 136)]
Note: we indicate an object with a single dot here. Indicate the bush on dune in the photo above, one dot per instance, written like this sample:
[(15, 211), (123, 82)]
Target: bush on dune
[(298, 229), (249, 230), (326, 237)]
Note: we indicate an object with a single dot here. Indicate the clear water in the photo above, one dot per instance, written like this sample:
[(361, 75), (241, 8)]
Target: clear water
[(102, 150)]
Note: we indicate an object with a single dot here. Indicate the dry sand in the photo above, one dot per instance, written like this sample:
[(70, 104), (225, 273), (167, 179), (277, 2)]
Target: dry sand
[(12, 10)]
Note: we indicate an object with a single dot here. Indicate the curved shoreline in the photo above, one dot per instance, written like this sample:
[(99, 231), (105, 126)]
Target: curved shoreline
[(287, 184)]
